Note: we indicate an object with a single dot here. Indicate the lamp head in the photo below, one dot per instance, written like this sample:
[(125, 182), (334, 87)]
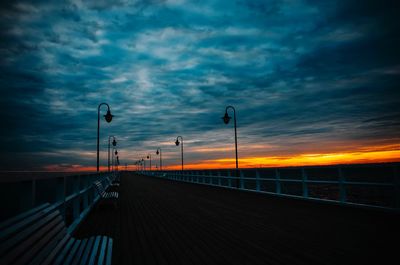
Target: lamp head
[(226, 118), (108, 116), (177, 142), (114, 143), (148, 157), (157, 153), (116, 152)]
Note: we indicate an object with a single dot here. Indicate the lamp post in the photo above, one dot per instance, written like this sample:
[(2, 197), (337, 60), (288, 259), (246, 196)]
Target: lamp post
[(149, 157), (108, 117), (115, 153), (177, 144), (159, 152), (226, 119), (114, 143)]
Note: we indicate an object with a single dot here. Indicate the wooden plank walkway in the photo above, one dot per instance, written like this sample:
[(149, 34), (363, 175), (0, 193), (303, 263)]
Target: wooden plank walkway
[(165, 222)]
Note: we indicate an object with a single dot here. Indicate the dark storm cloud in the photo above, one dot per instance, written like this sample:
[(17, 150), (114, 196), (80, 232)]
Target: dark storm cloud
[(298, 72)]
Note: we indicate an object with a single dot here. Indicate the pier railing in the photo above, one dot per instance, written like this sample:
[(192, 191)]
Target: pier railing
[(368, 185), (73, 195)]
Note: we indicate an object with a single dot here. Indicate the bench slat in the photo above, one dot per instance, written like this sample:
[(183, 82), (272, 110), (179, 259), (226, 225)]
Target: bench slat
[(45, 252), (61, 256), (109, 252), (16, 219), (102, 249), (43, 242), (24, 222), (88, 249), (72, 253), (56, 250), (80, 251), (39, 236), (93, 255), (29, 231)]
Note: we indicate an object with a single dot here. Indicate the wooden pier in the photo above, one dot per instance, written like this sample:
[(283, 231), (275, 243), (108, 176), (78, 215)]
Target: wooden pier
[(160, 221)]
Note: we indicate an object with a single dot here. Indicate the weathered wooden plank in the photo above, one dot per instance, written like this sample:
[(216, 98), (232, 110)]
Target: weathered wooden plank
[(64, 252), (108, 258), (88, 250), (22, 223), (45, 252), (53, 254), (102, 251), (72, 253), (45, 237), (168, 222), (79, 253), (95, 250), (28, 237), (22, 216)]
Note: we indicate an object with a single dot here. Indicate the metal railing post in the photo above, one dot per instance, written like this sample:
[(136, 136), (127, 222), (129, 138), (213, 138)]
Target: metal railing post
[(229, 179), (258, 184), (60, 194), (342, 187), (33, 193), (396, 176), (242, 180), (304, 182), (277, 182), (85, 198), (76, 201)]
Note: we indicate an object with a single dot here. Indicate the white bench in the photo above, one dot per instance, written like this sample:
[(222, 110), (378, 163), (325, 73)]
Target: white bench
[(39, 236)]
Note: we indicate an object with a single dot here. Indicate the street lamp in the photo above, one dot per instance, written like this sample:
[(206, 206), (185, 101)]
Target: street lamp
[(226, 120), (114, 143), (149, 157), (159, 152), (114, 154), (177, 144), (143, 164), (108, 117)]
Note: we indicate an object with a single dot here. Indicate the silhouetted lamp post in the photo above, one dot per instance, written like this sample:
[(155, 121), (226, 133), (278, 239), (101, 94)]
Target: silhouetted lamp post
[(149, 157), (177, 144), (114, 143), (143, 164), (108, 117), (159, 152), (226, 119), (115, 153)]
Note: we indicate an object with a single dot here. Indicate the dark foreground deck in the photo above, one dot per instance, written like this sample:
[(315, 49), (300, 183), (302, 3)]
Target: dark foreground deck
[(166, 222)]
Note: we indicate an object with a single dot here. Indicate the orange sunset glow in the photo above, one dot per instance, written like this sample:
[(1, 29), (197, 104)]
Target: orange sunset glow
[(374, 154), (298, 160)]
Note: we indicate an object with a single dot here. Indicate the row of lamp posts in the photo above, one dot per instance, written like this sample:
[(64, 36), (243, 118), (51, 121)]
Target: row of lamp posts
[(226, 120), (108, 117)]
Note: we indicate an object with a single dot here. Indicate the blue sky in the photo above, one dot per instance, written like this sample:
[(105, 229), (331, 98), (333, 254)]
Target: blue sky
[(304, 76)]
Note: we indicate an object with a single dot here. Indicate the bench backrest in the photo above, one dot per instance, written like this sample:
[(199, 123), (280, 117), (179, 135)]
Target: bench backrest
[(99, 188), (31, 235), (109, 181)]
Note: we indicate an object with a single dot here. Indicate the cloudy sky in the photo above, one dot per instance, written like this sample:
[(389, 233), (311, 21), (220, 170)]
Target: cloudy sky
[(313, 82)]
